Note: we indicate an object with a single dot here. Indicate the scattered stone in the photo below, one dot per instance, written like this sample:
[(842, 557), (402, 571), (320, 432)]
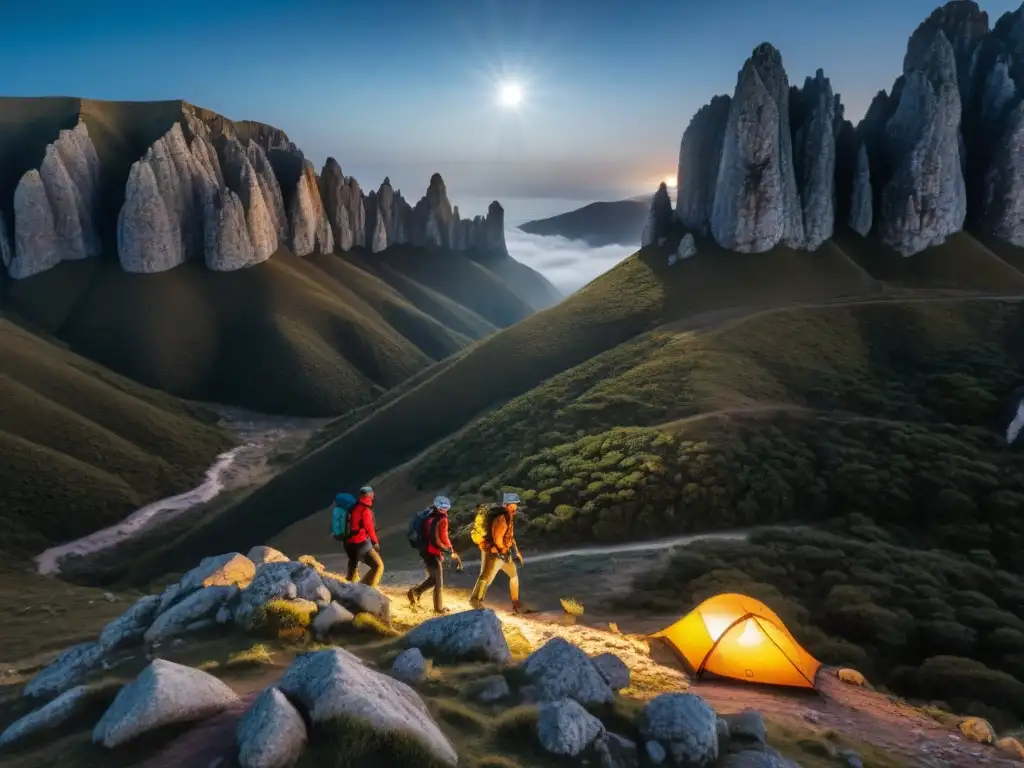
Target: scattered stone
[(49, 717), (330, 617), (129, 628), (686, 724), (851, 758), (977, 729), (336, 683), (747, 726), (1011, 746), (465, 636), (655, 752), (262, 554), (560, 670), (613, 670), (197, 606), (490, 689), (272, 734), (566, 728), (69, 669), (410, 667), (359, 598), (851, 677), (165, 693), (687, 248)]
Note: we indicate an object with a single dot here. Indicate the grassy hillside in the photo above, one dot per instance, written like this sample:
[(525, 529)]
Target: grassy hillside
[(528, 284), (637, 295), (82, 447)]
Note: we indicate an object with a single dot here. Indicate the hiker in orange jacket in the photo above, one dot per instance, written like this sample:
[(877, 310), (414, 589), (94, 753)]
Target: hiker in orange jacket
[(497, 550), (361, 544), (435, 545)]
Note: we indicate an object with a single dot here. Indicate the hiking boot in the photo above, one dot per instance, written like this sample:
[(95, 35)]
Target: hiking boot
[(442, 611), (414, 599), (476, 603), (517, 607)]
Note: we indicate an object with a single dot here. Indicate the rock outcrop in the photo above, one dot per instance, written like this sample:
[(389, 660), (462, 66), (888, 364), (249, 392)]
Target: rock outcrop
[(335, 194), (310, 229), (164, 694), (465, 636), (565, 728), (46, 718), (37, 246), (814, 157), (243, 180), (228, 245), (1004, 183), (683, 725), (559, 670), (272, 734), (700, 154), (860, 217), (659, 218), (271, 189), (73, 667), (925, 200)]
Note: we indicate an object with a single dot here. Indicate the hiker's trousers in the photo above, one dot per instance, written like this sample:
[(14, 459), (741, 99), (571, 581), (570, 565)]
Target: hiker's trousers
[(364, 553), (490, 564), (434, 567)]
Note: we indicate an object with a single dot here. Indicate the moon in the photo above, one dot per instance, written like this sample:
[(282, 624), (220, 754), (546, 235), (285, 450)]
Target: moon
[(510, 94)]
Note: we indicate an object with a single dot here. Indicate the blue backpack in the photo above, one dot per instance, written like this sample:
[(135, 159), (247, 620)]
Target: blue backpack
[(343, 504), (417, 533)]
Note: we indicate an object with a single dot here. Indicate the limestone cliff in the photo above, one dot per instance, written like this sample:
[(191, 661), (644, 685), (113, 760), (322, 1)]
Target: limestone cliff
[(814, 158), (700, 154), (310, 228)]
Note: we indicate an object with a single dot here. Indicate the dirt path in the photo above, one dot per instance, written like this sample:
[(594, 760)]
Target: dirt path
[(262, 438)]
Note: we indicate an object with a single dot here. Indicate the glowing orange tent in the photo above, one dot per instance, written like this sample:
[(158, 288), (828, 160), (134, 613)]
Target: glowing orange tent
[(738, 637)]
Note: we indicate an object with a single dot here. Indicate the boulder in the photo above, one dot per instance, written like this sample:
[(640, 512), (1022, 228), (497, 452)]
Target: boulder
[(331, 617), (336, 683), (490, 689), (359, 598), (613, 670), (37, 246), (69, 669), (560, 670), (814, 158), (231, 569), (272, 734), (272, 581), (749, 213), (925, 201), (687, 248), (465, 636), (260, 555), (659, 218), (129, 628), (198, 606), (410, 667), (700, 153), (164, 694), (655, 752), (747, 726), (225, 614), (565, 728), (309, 585), (685, 725), (47, 718)]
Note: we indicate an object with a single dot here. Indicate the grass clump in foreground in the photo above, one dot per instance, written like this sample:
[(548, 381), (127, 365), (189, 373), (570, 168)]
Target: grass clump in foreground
[(283, 620), (354, 743), (934, 626)]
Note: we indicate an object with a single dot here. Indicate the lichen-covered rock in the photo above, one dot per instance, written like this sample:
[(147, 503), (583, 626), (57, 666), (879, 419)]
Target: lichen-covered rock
[(565, 728), (814, 158), (336, 683), (464, 636), (700, 154), (198, 606), (861, 206), (359, 598), (659, 217), (164, 694), (310, 229), (925, 201), (71, 668), (410, 667), (48, 717), (37, 246), (613, 670), (228, 246), (685, 725), (271, 734), (749, 213), (262, 554), (560, 670), (329, 618), (129, 628)]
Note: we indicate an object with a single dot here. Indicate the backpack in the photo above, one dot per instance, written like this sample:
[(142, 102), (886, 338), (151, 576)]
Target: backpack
[(483, 523), (343, 504), (417, 533)]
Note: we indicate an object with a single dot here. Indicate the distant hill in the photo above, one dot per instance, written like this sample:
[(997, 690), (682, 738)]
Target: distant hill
[(204, 257), (597, 224)]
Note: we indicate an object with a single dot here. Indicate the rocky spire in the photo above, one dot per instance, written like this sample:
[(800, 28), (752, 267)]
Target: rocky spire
[(227, 244), (311, 231), (700, 154), (248, 185), (147, 240), (432, 216), (379, 241), (36, 242), (335, 196), (750, 205), (965, 27), (494, 228), (861, 212), (271, 189), (659, 217), (925, 201), (814, 158), (1004, 183)]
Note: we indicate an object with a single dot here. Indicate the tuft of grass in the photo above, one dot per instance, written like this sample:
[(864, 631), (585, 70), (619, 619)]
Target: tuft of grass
[(255, 656), (367, 622), (283, 620), (812, 748), (517, 725), (571, 606), (517, 642), (353, 743), (461, 716)]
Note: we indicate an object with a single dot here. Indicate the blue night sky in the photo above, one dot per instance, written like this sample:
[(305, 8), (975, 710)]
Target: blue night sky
[(405, 87)]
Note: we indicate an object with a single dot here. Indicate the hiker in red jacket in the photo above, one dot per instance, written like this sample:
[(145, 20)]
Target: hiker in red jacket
[(361, 544), (436, 545)]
